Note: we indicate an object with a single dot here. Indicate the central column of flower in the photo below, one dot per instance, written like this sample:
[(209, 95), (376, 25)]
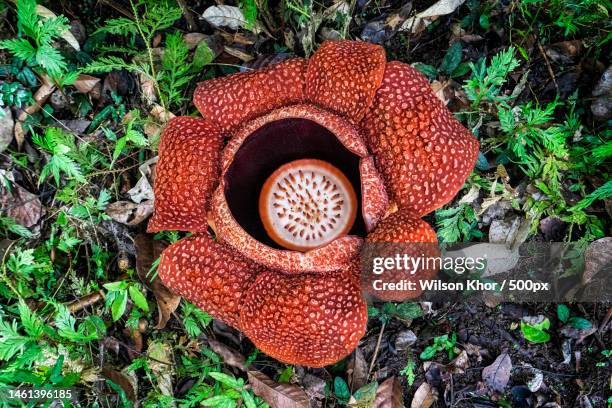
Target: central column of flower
[(306, 204)]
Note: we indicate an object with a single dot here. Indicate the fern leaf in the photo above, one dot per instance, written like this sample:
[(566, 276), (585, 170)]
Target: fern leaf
[(20, 47)]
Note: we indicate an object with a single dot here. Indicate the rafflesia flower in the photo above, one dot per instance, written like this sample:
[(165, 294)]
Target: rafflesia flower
[(319, 152)]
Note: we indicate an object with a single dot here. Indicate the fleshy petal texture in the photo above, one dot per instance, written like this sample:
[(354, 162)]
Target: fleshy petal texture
[(310, 320), (231, 100), (336, 255), (400, 234), (186, 174), (343, 76), (374, 198), (344, 131), (209, 275), (422, 151)]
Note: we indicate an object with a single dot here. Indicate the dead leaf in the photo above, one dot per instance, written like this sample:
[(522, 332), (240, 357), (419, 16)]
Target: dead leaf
[(20, 204), (160, 362), (122, 380), (460, 363), (129, 213), (389, 394), (85, 83), (277, 395), (7, 124), (193, 39), (419, 22), (45, 13), (597, 257), (497, 374), (143, 190), (235, 52), (357, 370), (40, 97), (423, 397), (578, 334), (225, 16), (147, 251), (160, 114), (147, 87), (230, 356)]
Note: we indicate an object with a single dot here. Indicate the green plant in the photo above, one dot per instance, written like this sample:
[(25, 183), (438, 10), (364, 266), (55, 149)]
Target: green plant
[(450, 65), (227, 392), (389, 310), (117, 297), (363, 397), (457, 224), (536, 331), (8, 224), (486, 80), (132, 136), (64, 155), (150, 17), (440, 344), (14, 94), (36, 46), (409, 370), (194, 319)]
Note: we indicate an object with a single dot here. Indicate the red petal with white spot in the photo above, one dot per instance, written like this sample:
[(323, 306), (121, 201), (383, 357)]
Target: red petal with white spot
[(186, 174), (209, 275), (343, 76), (311, 320), (422, 151), (399, 234), (232, 100)]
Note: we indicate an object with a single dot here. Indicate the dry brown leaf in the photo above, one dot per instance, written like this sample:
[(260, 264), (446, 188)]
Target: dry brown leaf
[(143, 189), (419, 22), (161, 365), (497, 374), (389, 394), (85, 83), (7, 124), (122, 381), (423, 397), (597, 257), (460, 363), (160, 114), (235, 52), (129, 213), (277, 395), (40, 97), (147, 87), (357, 370), (193, 39), (147, 251), (225, 16), (230, 356), (21, 205)]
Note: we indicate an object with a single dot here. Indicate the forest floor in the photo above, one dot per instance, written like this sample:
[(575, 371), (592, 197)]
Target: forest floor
[(86, 87)]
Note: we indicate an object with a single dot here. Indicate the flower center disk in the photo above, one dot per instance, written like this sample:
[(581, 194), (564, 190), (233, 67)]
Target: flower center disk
[(306, 204)]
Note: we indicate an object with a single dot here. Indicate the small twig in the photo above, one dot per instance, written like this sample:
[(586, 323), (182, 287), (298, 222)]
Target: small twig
[(188, 15), (550, 70), (85, 301), (120, 9), (382, 329)]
